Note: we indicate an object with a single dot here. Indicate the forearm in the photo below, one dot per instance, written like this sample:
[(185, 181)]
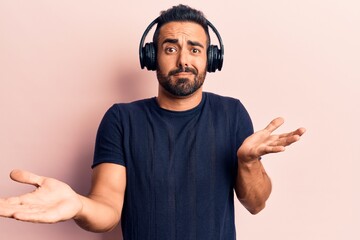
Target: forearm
[(253, 186), (97, 215)]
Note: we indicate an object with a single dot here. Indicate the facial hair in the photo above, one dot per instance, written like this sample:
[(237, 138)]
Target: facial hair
[(181, 87)]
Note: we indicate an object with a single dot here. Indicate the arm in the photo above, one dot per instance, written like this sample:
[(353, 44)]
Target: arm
[(253, 186), (102, 209), (54, 201)]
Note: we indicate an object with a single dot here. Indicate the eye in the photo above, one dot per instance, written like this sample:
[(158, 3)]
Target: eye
[(170, 50), (195, 50)]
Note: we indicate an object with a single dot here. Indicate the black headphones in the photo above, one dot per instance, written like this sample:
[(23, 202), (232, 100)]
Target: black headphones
[(147, 53)]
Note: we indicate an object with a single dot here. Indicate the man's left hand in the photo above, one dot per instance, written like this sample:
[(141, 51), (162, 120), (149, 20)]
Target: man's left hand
[(264, 142)]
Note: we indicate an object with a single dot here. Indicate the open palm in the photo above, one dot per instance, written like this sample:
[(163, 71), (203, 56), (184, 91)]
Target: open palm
[(52, 200), (264, 142)]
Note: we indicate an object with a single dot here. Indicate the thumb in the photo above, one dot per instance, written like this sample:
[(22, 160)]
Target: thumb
[(26, 177)]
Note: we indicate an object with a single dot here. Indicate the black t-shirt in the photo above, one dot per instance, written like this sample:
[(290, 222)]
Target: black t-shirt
[(180, 166)]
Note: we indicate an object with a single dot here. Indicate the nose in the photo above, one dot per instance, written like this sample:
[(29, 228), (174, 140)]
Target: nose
[(182, 59)]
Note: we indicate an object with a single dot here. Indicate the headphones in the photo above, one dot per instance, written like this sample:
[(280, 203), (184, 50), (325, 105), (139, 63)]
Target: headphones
[(147, 53)]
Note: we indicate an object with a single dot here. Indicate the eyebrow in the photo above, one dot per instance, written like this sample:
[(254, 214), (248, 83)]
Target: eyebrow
[(170, 40), (189, 42), (195, 43)]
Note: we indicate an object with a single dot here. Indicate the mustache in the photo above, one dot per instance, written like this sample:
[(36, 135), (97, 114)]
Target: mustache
[(185, 69)]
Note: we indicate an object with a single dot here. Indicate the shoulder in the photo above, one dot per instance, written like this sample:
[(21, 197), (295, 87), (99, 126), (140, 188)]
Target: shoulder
[(138, 106), (228, 107), (124, 112), (134, 105), (223, 102)]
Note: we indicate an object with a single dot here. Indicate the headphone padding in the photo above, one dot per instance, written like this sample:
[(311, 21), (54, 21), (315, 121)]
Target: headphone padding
[(213, 58), (149, 56)]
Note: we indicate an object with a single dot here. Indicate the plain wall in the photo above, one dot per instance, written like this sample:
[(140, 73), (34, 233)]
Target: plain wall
[(64, 63)]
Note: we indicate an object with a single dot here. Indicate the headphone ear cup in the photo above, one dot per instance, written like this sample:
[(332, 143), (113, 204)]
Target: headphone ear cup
[(149, 55), (213, 54)]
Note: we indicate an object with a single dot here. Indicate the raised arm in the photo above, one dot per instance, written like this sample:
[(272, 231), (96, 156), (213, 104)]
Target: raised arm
[(253, 186), (54, 201)]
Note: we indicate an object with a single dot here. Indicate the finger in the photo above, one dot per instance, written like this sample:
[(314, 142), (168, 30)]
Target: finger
[(26, 177), (25, 199), (274, 149), (38, 215), (286, 141), (28, 213), (299, 132), (11, 200), (274, 124), (8, 208)]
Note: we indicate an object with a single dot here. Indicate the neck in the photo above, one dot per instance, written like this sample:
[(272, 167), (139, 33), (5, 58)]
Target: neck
[(175, 103)]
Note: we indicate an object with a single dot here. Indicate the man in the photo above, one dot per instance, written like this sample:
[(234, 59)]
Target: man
[(168, 166)]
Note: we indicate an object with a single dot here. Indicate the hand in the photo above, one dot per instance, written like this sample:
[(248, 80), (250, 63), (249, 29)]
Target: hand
[(263, 142), (52, 201)]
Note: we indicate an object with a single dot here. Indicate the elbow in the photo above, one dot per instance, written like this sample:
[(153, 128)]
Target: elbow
[(256, 209)]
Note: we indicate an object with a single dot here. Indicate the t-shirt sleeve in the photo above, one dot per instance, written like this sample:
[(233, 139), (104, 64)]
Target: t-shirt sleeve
[(244, 124), (109, 139)]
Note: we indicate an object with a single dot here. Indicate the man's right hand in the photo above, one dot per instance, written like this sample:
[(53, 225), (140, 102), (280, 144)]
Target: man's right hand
[(52, 201)]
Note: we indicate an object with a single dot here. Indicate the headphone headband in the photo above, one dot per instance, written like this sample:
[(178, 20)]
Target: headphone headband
[(147, 54)]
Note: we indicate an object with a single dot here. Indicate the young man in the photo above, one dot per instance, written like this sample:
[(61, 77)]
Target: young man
[(168, 165)]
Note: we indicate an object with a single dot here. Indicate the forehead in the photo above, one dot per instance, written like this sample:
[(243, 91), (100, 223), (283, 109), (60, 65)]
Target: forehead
[(176, 30)]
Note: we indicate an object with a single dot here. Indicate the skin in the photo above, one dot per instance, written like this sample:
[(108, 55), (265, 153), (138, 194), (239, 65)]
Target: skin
[(181, 45), (253, 186)]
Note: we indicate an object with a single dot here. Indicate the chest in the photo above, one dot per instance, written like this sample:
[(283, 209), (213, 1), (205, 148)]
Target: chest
[(166, 154)]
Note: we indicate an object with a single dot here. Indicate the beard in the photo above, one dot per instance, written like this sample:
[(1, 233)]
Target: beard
[(181, 87)]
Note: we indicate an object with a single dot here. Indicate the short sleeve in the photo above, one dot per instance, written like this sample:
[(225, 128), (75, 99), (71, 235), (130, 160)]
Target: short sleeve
[(109, 139)]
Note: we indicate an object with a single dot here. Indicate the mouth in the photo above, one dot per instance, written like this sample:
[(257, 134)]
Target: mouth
[(187, 71), (183, 74)]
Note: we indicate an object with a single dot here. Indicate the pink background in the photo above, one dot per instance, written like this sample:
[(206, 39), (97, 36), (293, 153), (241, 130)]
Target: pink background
[(63, 63)]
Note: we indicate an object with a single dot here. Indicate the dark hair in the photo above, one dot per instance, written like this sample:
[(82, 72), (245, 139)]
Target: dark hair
[(181, 13)]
